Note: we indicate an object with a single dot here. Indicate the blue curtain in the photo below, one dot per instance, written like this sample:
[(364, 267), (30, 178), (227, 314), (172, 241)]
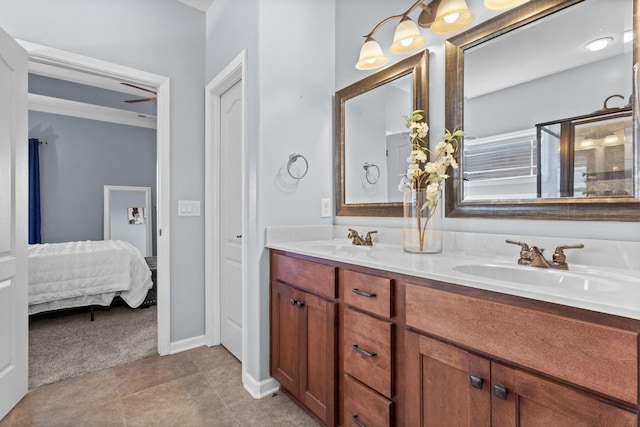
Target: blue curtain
[(34, 191)]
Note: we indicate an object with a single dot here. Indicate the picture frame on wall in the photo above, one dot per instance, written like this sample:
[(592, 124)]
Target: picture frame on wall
[(135, 215)]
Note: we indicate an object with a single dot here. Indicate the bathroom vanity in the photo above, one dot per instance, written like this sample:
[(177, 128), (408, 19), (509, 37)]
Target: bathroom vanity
[(379, 337)]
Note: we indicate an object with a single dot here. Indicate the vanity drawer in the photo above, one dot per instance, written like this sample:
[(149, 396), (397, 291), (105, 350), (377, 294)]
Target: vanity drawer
[(364, 405), (367, 350), (598, 357), (367, 292), (316, 278)]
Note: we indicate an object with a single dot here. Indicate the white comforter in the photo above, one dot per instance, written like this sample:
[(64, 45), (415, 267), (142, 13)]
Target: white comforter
[(75, 274)]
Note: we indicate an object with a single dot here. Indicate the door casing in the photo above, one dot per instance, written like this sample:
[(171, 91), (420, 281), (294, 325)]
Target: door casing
[(233, 73), (71, 65)]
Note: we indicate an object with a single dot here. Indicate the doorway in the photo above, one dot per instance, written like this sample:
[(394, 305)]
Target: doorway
[(80, 69), (225, 214)]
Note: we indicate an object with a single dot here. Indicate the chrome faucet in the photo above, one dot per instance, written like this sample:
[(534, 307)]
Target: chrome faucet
[(534, 257), (358, 240)]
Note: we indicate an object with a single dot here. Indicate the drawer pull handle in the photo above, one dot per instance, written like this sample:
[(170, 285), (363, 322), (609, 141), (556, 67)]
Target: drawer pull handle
[(357, 421), (500, 392), (297, 303), (476, 382), (363, 352), (363, 293)]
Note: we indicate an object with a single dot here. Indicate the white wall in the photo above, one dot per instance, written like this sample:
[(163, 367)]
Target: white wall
[(356, 18), (164, 37), (289, 108)]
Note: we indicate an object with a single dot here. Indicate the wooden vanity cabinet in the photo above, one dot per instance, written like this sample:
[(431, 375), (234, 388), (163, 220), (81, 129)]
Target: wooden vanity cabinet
[(485, 363), (366, 349), (455, 388), (303, 333), (445, 355)]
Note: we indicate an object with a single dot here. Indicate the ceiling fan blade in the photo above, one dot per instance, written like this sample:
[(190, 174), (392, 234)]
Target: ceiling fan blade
[(132, 101), (138, 87)]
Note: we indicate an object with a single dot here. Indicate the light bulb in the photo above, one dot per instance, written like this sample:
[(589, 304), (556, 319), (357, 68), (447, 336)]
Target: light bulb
[(451, 18), (406, 42)]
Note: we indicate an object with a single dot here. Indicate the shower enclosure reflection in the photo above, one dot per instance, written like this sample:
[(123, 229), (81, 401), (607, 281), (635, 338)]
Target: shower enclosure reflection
[(589, 156)]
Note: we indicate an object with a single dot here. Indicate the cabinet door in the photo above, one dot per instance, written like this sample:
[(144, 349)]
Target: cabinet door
[(318, 357), (448, 387), (524, 400), (286, 336)]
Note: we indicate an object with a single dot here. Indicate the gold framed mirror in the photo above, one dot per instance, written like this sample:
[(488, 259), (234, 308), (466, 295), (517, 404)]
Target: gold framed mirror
[(371, 136), (531, 98)]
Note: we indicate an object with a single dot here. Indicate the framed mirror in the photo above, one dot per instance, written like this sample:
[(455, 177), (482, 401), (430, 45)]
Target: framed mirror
[(549, 124), (127, 216), (372, 141)]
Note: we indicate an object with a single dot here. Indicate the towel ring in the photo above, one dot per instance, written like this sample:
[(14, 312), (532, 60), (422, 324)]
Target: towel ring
[(368, 175), (605, 107), (292, 159)]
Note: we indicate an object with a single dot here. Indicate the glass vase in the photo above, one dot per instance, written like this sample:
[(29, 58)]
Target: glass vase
[(422, 226)]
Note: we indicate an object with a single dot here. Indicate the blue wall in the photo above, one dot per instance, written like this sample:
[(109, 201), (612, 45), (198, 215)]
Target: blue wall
[(80, 157)]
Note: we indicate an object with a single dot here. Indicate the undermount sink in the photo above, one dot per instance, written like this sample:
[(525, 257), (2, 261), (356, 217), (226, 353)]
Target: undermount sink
[(334, 246), (549, 278)]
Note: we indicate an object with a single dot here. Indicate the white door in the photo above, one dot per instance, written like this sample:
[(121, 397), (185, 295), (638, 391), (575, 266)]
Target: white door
[(231, 220), (13, 223), (398, 149)]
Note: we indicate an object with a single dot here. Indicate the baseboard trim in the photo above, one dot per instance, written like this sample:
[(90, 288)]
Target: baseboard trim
[(259, 389), (187, 344)]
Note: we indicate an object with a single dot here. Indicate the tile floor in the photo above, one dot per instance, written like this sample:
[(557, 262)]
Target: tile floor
[(199, 387)]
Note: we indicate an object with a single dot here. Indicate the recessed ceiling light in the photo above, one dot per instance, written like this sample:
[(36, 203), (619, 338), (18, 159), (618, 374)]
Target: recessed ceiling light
[(598, 44), (628, 36)]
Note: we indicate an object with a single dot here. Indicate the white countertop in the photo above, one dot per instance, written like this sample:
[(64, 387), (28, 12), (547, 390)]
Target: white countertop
[(613, 290)]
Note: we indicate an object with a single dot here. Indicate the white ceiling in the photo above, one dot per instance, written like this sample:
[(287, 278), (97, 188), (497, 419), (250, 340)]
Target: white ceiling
[(547, 47), (203, 5)]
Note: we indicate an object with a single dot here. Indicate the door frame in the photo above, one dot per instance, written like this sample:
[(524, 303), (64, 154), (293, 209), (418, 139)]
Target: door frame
[(68, 64), (233, 73)]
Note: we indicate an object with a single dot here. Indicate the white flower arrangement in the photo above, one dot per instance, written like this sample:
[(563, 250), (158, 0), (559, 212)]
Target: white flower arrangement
[(427, 170), (423, 172)]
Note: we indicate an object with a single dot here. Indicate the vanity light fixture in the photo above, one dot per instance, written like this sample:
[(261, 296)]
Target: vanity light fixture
[(587, 142), (453, 15), (441, 16), (371, 55), (407, 37), (611, 139), (502, 4), (598, 44)]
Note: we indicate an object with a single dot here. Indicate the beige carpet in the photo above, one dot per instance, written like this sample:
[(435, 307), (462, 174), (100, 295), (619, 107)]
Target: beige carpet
[(67, 344)]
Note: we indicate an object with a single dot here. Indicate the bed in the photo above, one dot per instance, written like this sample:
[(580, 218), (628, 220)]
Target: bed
[(87, 273)]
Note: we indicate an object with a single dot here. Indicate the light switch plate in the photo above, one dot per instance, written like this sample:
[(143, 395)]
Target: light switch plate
[(188, 207), (325, 208)]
